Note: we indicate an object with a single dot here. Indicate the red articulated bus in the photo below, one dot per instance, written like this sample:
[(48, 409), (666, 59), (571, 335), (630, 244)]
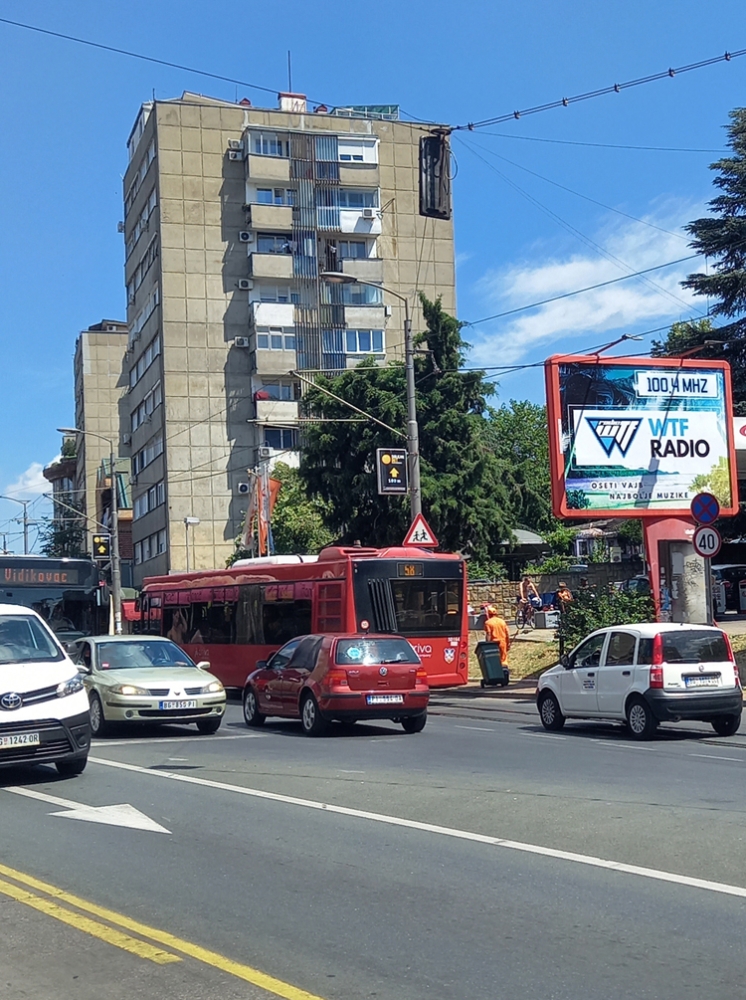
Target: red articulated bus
[(235, 617)]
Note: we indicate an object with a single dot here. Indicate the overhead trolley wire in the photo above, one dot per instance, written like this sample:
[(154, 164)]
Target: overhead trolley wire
[(615, 88)]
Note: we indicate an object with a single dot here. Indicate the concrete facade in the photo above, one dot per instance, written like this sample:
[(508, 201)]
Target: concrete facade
[(99, 409), (231, 213)]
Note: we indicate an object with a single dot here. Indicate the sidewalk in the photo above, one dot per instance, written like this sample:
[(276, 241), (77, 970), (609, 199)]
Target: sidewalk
[(518, 696)]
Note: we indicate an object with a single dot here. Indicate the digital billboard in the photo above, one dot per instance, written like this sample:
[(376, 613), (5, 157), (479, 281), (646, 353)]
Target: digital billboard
[(637, 437)]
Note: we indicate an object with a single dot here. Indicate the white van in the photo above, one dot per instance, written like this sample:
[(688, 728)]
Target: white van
[(645, 674), (44, 713)]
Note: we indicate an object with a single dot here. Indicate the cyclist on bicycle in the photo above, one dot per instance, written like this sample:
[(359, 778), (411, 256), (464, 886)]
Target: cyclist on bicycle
[(529, 599)]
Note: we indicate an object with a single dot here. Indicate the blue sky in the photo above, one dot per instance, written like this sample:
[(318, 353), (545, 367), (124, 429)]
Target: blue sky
[(66, 111)]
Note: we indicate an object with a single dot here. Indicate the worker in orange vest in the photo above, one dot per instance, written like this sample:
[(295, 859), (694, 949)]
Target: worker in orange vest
[(496, 630)]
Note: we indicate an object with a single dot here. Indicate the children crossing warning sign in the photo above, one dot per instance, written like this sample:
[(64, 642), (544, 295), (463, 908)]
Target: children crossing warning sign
[(420, 533)]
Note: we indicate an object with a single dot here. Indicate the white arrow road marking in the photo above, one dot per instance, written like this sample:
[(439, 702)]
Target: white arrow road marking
[(121, 815)]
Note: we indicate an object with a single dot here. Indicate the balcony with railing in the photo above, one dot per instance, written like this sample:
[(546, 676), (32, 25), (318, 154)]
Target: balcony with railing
[(270, 265), (275, 218)]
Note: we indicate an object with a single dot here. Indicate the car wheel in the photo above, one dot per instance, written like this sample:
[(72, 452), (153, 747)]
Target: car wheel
[(99, 726), (314, 724), (504, 682), (70, 768), (726, 725), (640, 720), (208, 726), (251, 714), (414, 723), (549, 712)]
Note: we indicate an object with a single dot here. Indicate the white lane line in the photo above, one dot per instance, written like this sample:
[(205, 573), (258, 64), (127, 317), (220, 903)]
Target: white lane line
[(344, 770), (543, 736), (445, 831), (176, 739), (717, 756), (476, 729), (623, 746)]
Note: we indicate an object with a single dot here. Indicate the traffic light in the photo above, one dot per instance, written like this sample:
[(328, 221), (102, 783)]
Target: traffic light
[(102, 546)]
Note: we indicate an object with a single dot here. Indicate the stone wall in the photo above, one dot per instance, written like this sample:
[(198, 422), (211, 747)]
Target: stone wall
[(599, 576)]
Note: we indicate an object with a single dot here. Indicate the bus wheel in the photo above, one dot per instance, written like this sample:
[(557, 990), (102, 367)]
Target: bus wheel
[(98, 722), (251, 714), (314, 724)]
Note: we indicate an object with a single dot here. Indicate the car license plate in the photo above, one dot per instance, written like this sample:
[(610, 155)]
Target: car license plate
[(700, 682), (385, 699), (175, 706), (20, 740)]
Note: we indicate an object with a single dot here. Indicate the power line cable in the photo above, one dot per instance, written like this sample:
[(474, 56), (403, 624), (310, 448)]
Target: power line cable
[(579, 194), (579, 291), (604, 145), (138, 55), (615, 88), (591, 244)]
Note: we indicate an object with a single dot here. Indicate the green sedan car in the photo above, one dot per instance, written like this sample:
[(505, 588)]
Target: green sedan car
[(146, 679)]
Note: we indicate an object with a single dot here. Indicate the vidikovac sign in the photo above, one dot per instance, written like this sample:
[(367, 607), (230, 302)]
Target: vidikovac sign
[(638, 437)]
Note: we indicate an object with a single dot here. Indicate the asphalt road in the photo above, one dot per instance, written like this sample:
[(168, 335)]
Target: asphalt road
[(482, 858)]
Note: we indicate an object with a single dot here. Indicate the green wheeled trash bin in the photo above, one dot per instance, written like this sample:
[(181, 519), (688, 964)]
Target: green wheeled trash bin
[(494, 671)]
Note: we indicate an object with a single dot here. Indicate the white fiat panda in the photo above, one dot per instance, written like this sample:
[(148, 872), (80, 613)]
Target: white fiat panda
[(44, 716), (645, 674)]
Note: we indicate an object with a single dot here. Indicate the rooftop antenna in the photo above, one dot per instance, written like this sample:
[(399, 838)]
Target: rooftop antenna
[(290, 75)]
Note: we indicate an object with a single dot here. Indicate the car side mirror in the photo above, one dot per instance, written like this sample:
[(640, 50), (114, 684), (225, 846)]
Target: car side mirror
[(566, 662), (203, 665), (84, 668), (261, 665)]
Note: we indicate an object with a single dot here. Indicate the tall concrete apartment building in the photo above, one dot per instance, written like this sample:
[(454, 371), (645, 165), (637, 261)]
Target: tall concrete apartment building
[(231, 214)]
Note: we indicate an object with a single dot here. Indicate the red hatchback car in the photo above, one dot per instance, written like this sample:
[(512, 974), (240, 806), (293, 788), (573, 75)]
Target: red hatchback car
[(320, 678)]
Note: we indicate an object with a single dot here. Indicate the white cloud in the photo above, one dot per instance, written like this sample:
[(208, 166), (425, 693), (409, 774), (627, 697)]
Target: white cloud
[(29, 484), (586, 320)]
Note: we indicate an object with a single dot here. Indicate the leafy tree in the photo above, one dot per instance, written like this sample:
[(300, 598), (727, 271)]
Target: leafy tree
[(464, 494), (518, 434), (63, 536), (716, 481), (721, 237), (297, 521)]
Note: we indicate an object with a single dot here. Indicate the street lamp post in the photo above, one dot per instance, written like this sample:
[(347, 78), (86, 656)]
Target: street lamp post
[(413, 431), (116, 565), (189, 522), (25, 504)]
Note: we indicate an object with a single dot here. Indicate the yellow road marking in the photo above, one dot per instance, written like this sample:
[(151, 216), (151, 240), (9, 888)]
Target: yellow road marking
[(246, 972), (140, 948)]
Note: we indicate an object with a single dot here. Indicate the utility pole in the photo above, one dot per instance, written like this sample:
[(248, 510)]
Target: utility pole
[(26, 522)]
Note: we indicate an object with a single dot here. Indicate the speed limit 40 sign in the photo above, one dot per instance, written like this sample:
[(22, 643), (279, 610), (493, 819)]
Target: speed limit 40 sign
[(707, 541)]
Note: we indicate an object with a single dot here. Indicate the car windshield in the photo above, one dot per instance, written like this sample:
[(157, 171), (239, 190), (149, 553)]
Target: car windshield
[(367, 652), (694, 647), (141, 653), (23, 638)]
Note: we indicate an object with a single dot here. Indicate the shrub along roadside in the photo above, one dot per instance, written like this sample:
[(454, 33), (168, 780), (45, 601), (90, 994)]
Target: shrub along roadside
[(590, 611)]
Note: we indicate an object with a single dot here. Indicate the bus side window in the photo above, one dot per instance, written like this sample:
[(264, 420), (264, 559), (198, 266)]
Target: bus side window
[(249, 615)]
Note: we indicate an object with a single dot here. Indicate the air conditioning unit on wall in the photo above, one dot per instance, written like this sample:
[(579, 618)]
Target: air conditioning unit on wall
[(245, 237), (369, 213), (245, 284), (264, 452), (241, 342)]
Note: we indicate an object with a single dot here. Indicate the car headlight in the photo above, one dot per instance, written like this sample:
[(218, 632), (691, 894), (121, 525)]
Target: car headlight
[(72, 686), (213, 687), (129, 689)]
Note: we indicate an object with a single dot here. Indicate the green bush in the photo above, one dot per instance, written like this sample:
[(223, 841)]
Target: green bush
[(591, 610)]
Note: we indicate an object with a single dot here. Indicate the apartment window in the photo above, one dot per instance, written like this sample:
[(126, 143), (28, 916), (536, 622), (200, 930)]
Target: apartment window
[(358, 198), (274, 243), (152, 400), (280, 438), (274, 339), (152, 498), (358, 150), (279, 390), (276, 293), (275, 196), (364, 341), (351, 249), (144, 362), (152, 302), (150, 547), (267, 144), (351, 295), (142, 458)]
